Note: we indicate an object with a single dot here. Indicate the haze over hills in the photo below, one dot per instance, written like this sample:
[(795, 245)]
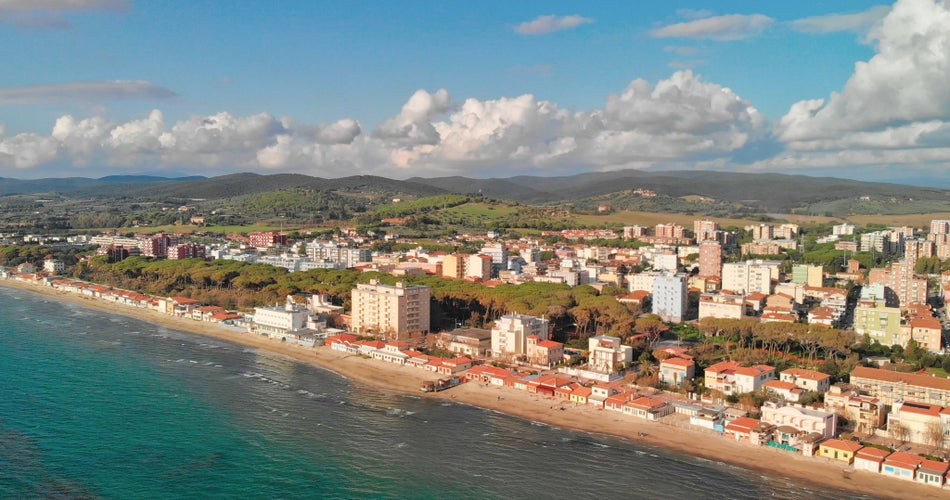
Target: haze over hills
[(764, 192)]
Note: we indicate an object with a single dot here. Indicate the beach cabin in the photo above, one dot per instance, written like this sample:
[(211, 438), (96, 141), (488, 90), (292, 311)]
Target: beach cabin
[(901, 465), (870, 459), (839, 449), (932, 473)]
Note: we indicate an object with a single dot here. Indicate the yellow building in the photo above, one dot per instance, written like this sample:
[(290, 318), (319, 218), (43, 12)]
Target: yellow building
[(839, 449)]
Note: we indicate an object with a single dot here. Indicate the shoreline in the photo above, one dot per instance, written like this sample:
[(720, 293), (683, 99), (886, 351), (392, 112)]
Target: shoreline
[(673, 435)]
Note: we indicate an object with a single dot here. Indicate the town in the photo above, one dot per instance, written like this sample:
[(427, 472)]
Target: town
[(707, 327)]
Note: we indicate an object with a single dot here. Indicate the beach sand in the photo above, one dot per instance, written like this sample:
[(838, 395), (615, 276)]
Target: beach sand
[(672, 433)]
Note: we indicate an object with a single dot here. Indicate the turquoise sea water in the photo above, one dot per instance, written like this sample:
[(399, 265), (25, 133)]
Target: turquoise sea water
[(94, 405)]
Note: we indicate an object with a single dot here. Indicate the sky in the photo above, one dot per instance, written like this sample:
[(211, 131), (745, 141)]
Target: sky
[(851, 88)]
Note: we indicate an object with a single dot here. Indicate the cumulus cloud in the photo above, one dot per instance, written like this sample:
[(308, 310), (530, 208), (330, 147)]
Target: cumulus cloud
[(85, 92), (50, 14), (859, 22), (548, 24), (721, 28), (677, 120), (413, 123), (895, 95)]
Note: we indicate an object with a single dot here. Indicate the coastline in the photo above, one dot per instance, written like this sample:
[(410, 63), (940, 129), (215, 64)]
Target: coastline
[(775, 464)]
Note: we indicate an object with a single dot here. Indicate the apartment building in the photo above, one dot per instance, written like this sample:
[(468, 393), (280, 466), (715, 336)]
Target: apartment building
[(509, 335), (890, 386), (392, 311)]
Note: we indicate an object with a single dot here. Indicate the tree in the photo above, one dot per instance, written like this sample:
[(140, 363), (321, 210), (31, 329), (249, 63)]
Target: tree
[(934, 434), (900, 432)]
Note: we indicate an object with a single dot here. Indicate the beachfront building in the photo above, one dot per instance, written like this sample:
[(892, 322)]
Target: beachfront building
[(471, 342), (674, 370), (891, 386), (749, 430), (919, 423), (607, 354), (804, 420), (547, 353), (809, 380), (509, 335), (276, 321), (391, 311), (839, 449), (729, 377), (648, 408), (866, 413), (901, 465), (54, 266), (870, 459), (669, 297)]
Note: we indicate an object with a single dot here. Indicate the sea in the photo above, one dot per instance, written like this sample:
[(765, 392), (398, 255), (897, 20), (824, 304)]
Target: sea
[(96, 405)]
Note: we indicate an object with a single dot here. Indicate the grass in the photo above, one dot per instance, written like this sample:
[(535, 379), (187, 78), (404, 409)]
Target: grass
[(480, 210), (940, 372)]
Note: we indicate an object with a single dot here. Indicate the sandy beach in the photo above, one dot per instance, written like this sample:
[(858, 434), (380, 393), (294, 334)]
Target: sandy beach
[(672, 433)]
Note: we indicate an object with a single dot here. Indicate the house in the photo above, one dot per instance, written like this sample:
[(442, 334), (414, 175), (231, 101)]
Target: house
[(581, 394), (488, 374), (867, 413), (932, 472), (607, 354), (547, 353), (809, 380), (471, 342), (870, 459), (839, 449), (751, 378), (786, 390), (749, 430), (616, 401), (674, 371), (803, 419), (648, 408), (599, 394), (901, 465)]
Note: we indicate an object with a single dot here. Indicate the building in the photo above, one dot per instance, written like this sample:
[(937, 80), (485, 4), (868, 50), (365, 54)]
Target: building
[(471, 342), (729, 377), (891, 387), (391, 311), (267, 239), (546, 353), (750, 276), (509, 335), (186, 251), (870, 459), (710, 259), (879, 322), (839, 449), (809, 380), (54, 266), (867, 413), (808, 275), (925, 330), (277, 321), (899, 280), (901, 465), (669, 298), (803, 419), (842, 229), (607, 354), (722, 305), (155, 245), (675, 370), (919, 423)]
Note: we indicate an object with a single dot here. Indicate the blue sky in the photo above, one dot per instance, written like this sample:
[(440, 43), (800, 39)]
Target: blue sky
[(402, 89)]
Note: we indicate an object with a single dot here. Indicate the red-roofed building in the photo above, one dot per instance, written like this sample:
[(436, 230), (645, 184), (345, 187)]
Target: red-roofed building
[(787, 390), (933, 473), (839, 449), (902, 465), (870, 459), (749, 430), (916, 422), (810, 380), (488, 374), (547, 353), (891, 386), (674, 371), (648, 408)]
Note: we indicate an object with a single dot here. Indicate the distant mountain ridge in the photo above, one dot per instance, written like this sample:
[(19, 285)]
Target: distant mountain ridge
[(766, 192)]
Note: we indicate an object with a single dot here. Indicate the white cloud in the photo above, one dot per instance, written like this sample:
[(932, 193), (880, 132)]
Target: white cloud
[(549, 24), (85, 92), (50, 14), (859, 22), (890, 100), (680, 119), (722, 28)]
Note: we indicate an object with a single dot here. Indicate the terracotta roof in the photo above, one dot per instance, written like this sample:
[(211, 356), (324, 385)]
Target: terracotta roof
[(806, 374), (646, 402), (754, 371), (742, 424), (870, 453), (778, 384), (678, 362), (904, 459), (935, 466), (841, 444), (921, 408), (906, 378), (723, 366), (550, 344)]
